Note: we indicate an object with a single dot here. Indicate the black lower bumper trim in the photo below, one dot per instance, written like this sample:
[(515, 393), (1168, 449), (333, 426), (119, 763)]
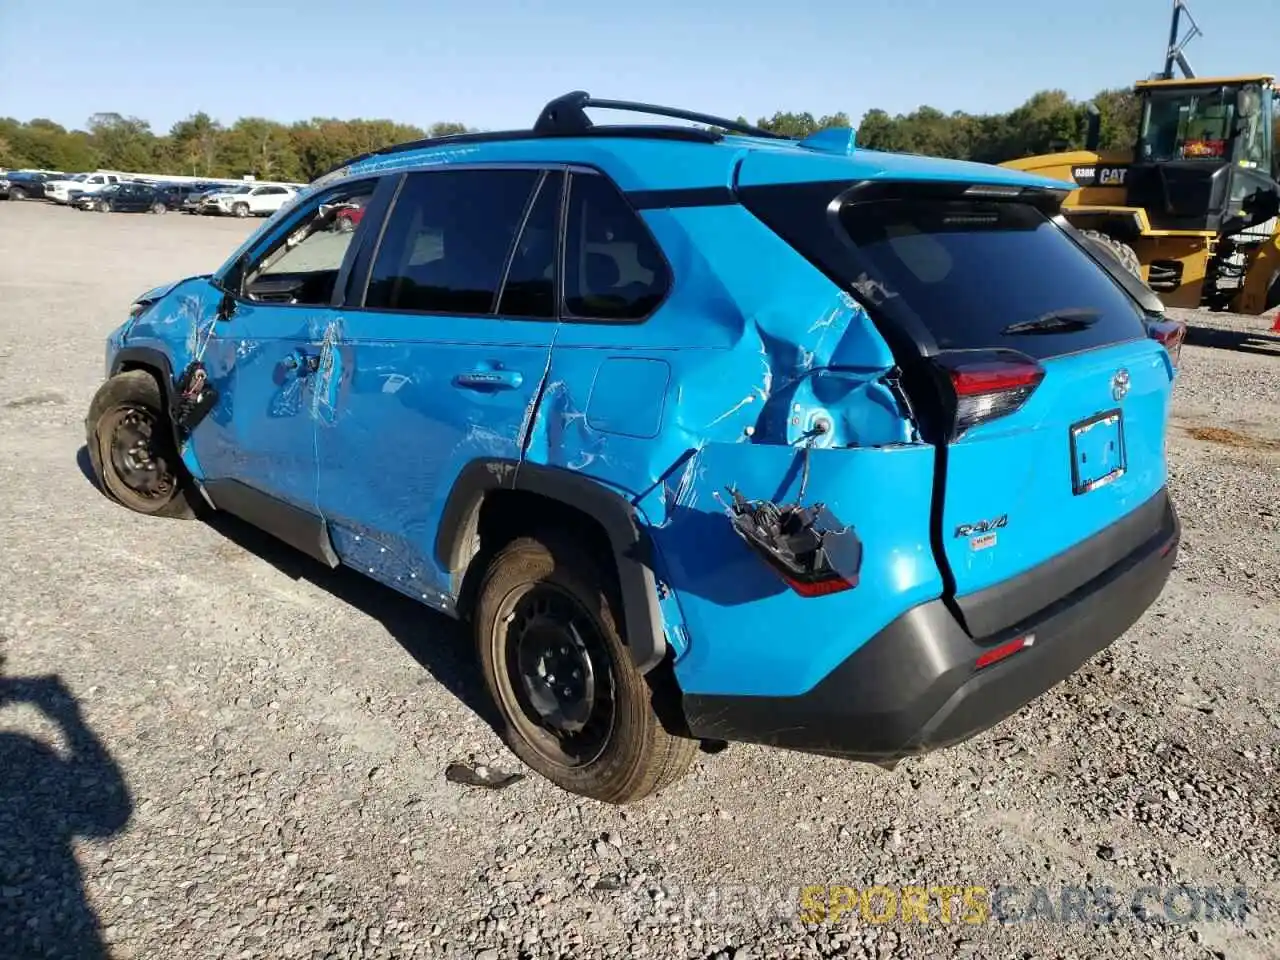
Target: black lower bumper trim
[(914, 687)]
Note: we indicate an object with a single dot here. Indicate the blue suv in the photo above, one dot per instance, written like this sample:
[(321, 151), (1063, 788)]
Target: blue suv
[(710, 434)]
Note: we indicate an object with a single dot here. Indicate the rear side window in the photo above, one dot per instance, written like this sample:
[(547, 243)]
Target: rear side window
[(613, 268), (447, 239), (963, 273)]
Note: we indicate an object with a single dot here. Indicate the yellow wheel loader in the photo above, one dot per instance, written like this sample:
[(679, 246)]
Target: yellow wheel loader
[(1192, 207)]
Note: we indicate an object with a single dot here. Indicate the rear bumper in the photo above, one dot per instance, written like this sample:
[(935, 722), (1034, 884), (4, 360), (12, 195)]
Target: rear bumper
[(915, 687)]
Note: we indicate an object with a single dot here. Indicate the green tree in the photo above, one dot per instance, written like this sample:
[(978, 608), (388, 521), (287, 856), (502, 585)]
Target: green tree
[(122, 143)]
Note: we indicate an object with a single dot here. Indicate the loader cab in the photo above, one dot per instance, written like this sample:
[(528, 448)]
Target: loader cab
[(1204, 157)]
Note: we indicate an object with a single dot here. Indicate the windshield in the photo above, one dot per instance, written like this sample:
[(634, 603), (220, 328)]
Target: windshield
[(1188, 124)]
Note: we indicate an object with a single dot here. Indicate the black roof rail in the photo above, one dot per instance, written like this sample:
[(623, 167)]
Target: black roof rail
[(566, 115)]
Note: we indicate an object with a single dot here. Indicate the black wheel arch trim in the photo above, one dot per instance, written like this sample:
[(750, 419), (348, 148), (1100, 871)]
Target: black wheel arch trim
[(155, 360), (631, 549)]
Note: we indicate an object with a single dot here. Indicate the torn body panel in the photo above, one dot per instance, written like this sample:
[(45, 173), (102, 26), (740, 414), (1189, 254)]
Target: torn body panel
[(747, 630)]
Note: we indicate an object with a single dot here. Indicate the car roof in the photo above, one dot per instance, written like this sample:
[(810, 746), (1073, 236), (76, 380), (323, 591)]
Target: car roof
[(642, 157)]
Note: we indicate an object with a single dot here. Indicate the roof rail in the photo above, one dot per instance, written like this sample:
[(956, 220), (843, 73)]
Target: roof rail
[(566, 115)]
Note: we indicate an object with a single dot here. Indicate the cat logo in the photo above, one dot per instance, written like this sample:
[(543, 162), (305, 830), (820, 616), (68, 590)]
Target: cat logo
[(1112, 176)]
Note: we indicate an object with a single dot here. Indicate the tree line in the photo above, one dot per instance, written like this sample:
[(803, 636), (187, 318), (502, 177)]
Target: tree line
[(201, 146)]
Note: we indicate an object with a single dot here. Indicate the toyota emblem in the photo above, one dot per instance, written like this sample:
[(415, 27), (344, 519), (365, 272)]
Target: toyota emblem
[(1120, 384)]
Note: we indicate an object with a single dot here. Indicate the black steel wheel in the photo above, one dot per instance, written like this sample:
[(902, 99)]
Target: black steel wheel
[(131, 446), (573, 705)]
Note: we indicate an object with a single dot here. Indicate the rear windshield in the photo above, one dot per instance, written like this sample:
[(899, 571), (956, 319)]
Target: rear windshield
[(988, 274), (964, 273)]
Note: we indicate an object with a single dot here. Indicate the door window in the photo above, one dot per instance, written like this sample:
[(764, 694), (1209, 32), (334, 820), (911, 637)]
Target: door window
[(302, 266), (613, 267), (530, 287), (448, 239)]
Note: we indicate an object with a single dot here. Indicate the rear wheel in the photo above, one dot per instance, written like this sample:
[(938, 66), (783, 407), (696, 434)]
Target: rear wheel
[(131, 446), (17, 193), (573, 705), (240, 209), (1118, 249), (158, 207), (104, 206)]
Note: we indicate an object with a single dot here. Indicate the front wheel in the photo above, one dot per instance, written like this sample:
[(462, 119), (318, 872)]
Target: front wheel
[(104, 206), (17, 193), (132, 450), (573, 705)]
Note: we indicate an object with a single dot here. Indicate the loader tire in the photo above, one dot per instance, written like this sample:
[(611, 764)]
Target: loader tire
[(1118, 249)]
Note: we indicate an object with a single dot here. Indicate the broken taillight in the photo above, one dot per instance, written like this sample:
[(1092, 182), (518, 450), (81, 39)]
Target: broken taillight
[(811, 551), (989, 386), (1170, 334)]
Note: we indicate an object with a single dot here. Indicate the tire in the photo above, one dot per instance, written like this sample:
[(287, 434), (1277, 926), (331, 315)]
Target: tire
[(158, 207), (344, 225), (104, 206), (17, 193), (1121, 251), (240, 209), (131, 447), (545, 595)]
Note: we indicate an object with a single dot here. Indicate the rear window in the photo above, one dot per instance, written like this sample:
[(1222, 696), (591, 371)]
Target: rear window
[(970, 271), (960, 272)]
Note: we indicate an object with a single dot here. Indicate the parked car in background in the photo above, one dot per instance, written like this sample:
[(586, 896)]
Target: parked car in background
[(67, 190), (27, 184), (194, 200), (4, 187), (175, 195), (349, 215), (128, 197), (257, 200)]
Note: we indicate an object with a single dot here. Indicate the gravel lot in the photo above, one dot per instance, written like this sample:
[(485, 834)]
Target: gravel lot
[(251, 760)]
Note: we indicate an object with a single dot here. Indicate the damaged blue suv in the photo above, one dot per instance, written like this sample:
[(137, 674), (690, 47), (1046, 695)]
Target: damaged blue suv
[(710, 434)]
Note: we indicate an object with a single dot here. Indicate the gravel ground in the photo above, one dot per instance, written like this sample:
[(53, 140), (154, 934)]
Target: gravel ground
[(241, 754)]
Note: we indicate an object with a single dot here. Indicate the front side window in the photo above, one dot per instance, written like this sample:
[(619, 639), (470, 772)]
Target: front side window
[(447, 240), (613, 268), (303, 265)]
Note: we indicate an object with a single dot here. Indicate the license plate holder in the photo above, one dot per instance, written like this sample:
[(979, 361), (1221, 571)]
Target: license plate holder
[(1098, 455)]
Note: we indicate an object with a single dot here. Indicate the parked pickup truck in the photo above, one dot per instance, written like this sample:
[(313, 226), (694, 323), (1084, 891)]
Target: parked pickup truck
[(66, 191)]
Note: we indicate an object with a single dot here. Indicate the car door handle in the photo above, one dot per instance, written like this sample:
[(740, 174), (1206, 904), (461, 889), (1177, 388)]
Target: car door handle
[(489, 379)]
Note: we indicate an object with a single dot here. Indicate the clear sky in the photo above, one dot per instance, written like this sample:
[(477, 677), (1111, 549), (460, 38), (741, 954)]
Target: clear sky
[(493, 63)]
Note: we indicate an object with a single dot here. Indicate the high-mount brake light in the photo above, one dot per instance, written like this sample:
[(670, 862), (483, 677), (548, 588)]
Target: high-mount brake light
[(1170, 334), (988, 388)]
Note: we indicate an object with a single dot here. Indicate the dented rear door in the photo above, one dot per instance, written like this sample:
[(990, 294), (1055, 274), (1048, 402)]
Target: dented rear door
[(433, 368)]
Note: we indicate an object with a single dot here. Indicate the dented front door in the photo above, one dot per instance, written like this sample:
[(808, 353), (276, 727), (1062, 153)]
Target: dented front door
[(270, 410)]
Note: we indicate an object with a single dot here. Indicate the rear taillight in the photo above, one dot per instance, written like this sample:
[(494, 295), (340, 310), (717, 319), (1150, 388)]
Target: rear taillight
[(988, 386), (1170, 334)]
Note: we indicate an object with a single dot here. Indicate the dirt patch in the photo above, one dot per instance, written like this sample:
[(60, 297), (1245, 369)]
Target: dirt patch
[(1232, 438)]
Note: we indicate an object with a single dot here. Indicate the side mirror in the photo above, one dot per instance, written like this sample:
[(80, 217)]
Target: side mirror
[(226, 307)]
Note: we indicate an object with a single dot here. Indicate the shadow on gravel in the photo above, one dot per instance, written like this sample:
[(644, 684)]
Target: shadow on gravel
[(1262, 343), (49, 797), (86, 466), (439, 644)]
